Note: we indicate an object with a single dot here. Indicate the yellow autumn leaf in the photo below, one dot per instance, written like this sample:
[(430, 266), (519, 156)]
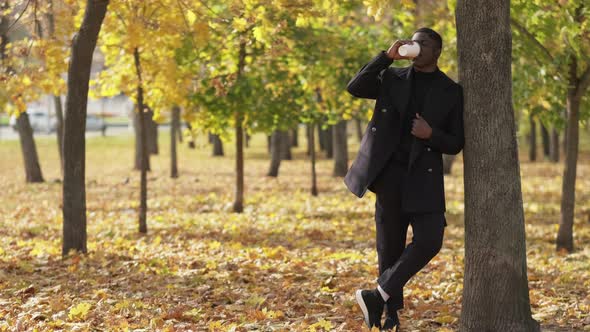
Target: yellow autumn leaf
[(80, 311)]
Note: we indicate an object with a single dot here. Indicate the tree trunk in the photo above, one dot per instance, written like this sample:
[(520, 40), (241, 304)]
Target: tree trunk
[(217, 145), (275, 153), (314, 187), (565, 130), (565, 239), (29, 149), (545, 141), (308, 139), (247, 139), (495, 292), (295, 136), (340, 144), (143, 133), (138, 140), (174, 124), (532, 139), (285, 146), (25, 132), (238, 205), (554, 145), (74, 190), (448, 160), (59, 129), (152, 132)]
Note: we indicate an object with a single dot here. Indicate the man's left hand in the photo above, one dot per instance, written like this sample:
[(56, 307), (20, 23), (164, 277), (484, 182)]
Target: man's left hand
[(421, 128)]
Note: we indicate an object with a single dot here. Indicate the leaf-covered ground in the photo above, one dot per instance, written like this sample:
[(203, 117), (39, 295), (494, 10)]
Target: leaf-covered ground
[(290, 262)]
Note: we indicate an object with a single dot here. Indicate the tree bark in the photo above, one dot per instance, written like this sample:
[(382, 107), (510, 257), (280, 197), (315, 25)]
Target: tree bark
[(448, 160), (238, 205), (275, 153), (285, 146), (29, 149), (495, 292), (138, 140), (217, 145), (308, 137), (565, 239), (314, 187), (340, 148), (174, 124), (59, 132), (554, 146), (74, 189), (143, 129), (545, 140), (152, 132), (532, 139)]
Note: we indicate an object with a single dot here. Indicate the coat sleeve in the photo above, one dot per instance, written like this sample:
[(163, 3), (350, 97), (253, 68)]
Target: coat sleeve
[(450, 140), (366, 83)]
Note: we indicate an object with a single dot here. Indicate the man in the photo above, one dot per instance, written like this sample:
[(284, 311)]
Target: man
[(418, 116)]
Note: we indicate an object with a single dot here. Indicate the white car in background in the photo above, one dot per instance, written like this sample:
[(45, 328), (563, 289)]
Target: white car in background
[(41, 122)]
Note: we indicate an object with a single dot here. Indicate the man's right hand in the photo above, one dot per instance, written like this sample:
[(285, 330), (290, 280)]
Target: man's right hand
[(392, 52)]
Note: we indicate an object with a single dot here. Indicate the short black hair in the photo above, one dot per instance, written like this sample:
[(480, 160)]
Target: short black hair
[(433, 35)]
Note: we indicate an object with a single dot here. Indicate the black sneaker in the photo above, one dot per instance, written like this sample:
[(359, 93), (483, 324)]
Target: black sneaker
[(371, 304), (391, 320)]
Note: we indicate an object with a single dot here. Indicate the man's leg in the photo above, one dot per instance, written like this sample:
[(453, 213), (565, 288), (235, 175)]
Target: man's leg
[(428, 232), (391, 230)]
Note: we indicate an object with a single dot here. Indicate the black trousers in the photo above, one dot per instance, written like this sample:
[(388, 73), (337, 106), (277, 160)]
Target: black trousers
[(398, 262)]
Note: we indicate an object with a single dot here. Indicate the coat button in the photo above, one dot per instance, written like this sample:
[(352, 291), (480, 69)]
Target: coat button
[(373, 129), (384, 110), (430, 170), (428, 149)]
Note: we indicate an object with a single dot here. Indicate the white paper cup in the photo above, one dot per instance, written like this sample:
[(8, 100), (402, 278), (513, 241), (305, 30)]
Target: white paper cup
[(409, 50)]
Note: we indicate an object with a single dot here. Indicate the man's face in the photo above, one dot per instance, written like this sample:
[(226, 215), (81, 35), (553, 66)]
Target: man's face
[(429, 51)]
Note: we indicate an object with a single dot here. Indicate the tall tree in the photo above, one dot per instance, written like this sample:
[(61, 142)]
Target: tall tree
[(563, 68), (143, 129), (25, 132), (495, 292), (74, 189)]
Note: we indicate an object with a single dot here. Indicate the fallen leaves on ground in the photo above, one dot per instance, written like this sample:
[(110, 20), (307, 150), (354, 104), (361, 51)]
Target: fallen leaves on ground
[(290, 261)]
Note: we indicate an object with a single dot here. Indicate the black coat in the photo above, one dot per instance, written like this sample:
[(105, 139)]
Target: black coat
[(443, 110)]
